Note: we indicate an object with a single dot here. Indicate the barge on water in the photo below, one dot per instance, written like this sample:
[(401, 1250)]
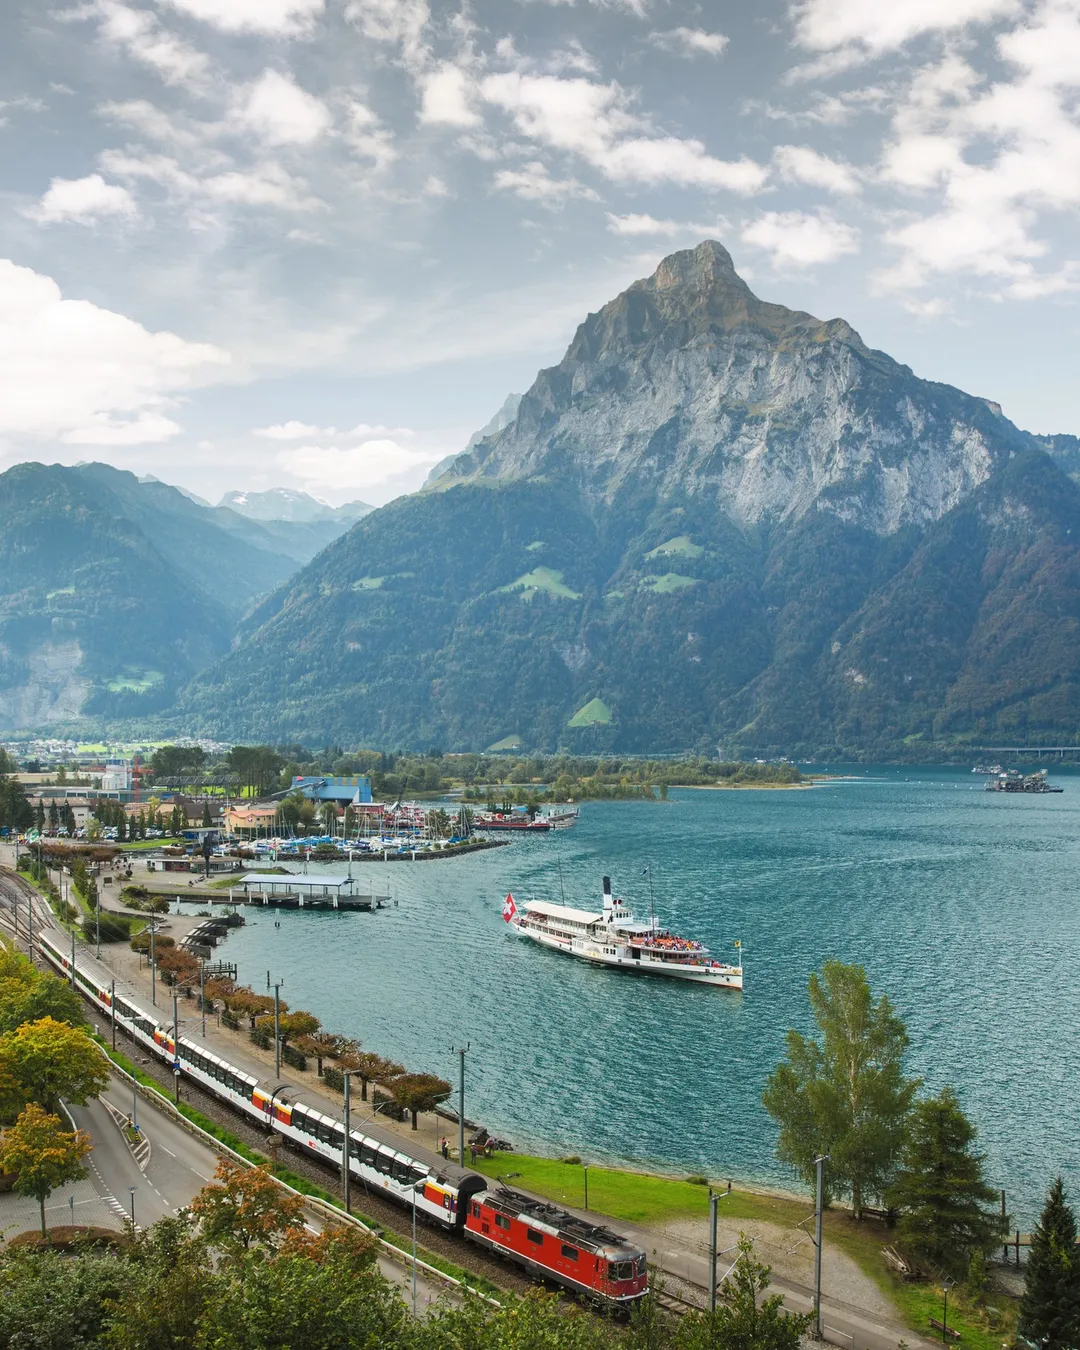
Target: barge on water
[(1011, 780), (614, 937)]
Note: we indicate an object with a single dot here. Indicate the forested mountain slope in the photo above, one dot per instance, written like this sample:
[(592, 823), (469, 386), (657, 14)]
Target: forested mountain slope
[(716, 520)]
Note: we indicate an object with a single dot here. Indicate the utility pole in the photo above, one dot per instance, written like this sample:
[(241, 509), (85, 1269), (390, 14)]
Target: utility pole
[(30, 924), (97, 921), (153, 965), (277, 1028), (73, 958), (461, 1051), (202, 993), (346, 1074), (112, 1009), (819, 1163), (714, 1204), (176, 1046)]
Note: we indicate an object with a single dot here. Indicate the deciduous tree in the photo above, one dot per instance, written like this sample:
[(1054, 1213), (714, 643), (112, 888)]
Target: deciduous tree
[(368, 1066), (246, 1207), (947, 1211), (1050, 1309), (49, 1060), (42, 1154), (745, 1317), (847, 1095), (419, 1092)]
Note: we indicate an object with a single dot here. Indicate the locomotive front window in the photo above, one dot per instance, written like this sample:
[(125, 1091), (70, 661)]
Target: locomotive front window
[(643, 1264), (626, 1270)]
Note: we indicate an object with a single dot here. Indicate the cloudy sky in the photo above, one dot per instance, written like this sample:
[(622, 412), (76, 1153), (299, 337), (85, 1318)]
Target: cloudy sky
[(314, 243)]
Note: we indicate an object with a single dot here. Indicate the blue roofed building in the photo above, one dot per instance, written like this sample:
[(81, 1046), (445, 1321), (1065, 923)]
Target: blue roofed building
[(349, 790)]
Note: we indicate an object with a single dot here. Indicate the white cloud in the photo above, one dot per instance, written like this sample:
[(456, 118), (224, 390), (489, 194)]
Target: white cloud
[(798, 239), (881, 25), (73, 371), (293, 431), (596, 122), (801, 164), (83, 201), (145, 40), (266, 184), (280, 112), (366, 135), (690, 42), (638, 225), (533, 183), (401, 22), (446, 97), (352, 468), (995, 155), (283, 18)]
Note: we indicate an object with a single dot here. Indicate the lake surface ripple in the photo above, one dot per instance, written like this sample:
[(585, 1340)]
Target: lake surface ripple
[(961, 904)]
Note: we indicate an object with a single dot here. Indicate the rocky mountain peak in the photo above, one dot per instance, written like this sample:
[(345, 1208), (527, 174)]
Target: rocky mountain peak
[(689, 385)]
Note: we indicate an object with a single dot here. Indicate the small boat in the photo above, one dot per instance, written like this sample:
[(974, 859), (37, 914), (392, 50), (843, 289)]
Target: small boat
[(521, 824), (614, 937)]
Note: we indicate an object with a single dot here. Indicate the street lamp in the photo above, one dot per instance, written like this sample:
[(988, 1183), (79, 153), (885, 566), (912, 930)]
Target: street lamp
[(133, 1189), (949, 1284)]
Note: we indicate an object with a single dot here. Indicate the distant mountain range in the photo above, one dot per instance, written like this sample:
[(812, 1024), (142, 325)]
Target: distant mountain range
[(289, 504), (114, 591), (716, 520)]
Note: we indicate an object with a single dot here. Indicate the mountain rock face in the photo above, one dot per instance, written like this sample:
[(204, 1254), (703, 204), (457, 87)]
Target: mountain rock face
[(115, 591), (687, 383), (716, 520)]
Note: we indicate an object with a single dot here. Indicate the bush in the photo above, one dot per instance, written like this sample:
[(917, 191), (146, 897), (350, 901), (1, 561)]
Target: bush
[(571, 1158), (334, 1078), (263, 1039), (228, 1020), (114, 928), (697, 1180), (296, 1058)]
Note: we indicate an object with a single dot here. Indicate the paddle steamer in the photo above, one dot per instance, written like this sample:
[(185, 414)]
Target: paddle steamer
[(614, 937)]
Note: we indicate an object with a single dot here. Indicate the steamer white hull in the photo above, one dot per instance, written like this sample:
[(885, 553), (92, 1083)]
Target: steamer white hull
[(613, 937), (720, 976)]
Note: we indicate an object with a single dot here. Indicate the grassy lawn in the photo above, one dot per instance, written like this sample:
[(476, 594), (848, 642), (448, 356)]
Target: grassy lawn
[(683, 546), (595, 713), (144, 845), (640, 1198), (546, 579), (666, 584)]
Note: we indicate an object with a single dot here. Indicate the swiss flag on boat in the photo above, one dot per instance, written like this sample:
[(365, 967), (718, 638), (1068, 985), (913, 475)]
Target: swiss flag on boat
[(509, 908)]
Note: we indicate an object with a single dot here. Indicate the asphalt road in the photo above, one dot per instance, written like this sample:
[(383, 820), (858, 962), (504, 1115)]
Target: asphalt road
[(169, 1168)]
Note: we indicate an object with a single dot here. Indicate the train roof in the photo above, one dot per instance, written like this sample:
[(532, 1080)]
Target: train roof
[(544, 1215)]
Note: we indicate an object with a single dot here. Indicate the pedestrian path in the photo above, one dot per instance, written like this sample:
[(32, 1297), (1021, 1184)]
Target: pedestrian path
[(78, 1203)]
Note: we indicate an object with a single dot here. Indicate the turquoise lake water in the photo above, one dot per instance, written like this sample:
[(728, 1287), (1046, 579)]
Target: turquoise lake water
[(961, 904)]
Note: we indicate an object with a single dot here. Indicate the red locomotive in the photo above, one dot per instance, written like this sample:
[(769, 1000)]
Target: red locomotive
[(549, 1241)]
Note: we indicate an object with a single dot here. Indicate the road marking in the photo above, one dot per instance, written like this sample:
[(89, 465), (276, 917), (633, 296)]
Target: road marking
[(167, 1150), (201, 1175)]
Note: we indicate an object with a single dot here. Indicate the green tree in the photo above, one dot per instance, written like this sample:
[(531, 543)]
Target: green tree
[(171, 1285), (847, 1095), (417, 1092), (53, 1301), (947, 1211), (744, 1319), (42, 1155), (1050, 1308), (27, 995), (49, 1060)]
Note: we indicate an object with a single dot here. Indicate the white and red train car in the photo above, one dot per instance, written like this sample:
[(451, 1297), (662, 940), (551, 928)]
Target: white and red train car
[(549, 1242)]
